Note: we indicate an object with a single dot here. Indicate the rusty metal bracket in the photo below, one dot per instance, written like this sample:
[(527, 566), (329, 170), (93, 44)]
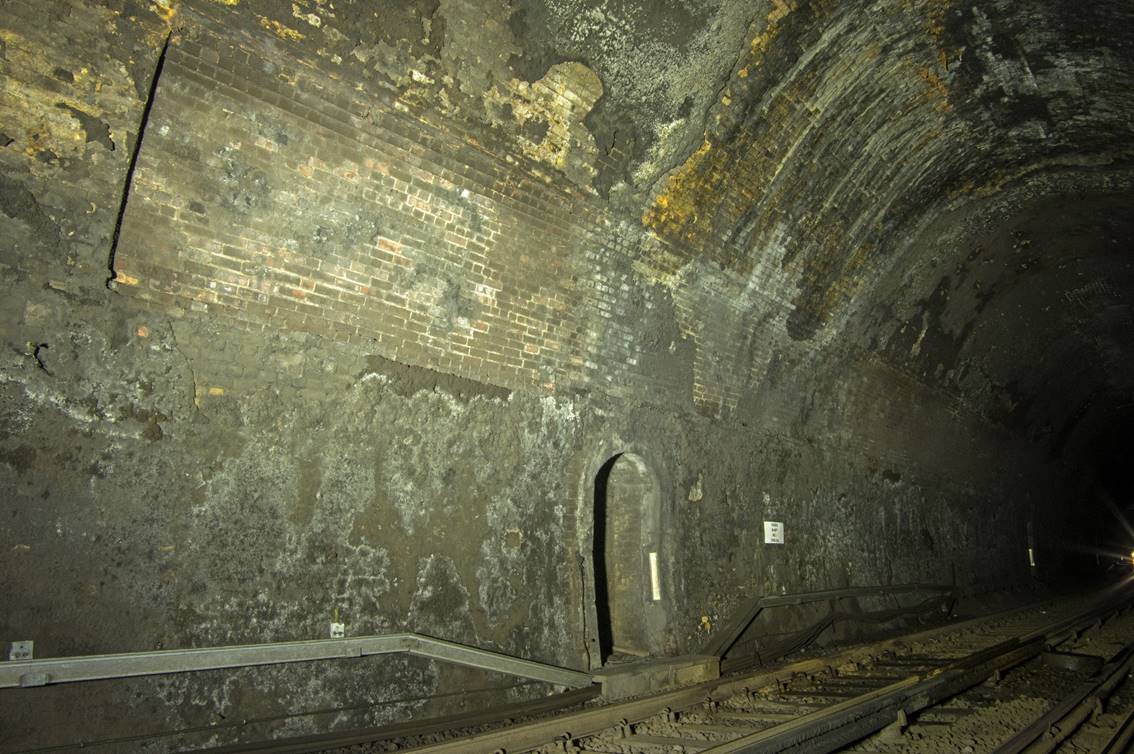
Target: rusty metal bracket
[(723, 640)]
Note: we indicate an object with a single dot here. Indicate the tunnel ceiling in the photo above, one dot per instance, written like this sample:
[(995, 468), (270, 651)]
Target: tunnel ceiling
[(947, 186), (1029, 316)]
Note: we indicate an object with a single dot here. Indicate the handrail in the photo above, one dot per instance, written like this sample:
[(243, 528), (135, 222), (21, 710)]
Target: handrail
[(766, 653), (27, 673), (722, 641)]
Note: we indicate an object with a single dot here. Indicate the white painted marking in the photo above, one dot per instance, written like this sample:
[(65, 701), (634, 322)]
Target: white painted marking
[(655, 577), (1031, 557)]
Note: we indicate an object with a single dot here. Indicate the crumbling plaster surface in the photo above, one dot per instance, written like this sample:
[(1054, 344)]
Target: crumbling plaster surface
[(266, 517), (662, 65)]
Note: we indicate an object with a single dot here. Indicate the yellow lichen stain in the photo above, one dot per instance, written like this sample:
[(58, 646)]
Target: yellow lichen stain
[(37, 117), (936, 90), (934, 16), (227, 2), (855, 264), (676, 205), (281, 31), (762, 41), (166, 10), (929, 137), (694, 198), (848, 281), (1000, 180), (967, 187), (297, 11), (124, 279)]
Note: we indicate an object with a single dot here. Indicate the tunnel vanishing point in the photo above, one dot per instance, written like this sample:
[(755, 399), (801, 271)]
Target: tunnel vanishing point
[(559, 328)]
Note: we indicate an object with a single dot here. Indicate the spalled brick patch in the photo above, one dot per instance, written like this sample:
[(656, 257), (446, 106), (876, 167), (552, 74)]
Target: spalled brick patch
[(280, 198), (288, 196)]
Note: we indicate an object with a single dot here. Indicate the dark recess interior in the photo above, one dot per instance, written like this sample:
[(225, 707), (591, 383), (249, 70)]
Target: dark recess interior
[(602, 591)]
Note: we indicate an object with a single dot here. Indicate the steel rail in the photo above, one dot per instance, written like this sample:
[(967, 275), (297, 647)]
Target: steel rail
[(28, 673), (528, 735), (410, 729), (531, 735), (833, 727), (803, 638), (1122, 738), (1062, 720)]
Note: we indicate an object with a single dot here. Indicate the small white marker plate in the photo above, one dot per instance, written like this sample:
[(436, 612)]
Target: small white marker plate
[(773, 532), (655, 577), (22, 650), (338, 630)]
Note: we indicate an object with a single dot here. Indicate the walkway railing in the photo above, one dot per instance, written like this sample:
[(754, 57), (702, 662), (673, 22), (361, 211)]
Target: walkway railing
[(46, 671)]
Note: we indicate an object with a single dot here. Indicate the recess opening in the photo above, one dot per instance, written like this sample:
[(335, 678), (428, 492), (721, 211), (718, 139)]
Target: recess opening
[(629, 563)]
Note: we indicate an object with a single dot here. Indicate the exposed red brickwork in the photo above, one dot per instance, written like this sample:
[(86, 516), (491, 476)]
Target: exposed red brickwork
[(284, 199)]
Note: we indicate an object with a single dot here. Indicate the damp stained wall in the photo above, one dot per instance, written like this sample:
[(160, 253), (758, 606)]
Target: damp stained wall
[(324, 312)]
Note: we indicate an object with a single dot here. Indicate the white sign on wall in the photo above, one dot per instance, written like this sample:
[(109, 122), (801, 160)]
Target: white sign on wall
[(773, 532), (21, 650)]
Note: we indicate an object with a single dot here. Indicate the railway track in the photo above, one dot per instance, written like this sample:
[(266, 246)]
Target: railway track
[(822, 704), (817, 706), (1083, 705)]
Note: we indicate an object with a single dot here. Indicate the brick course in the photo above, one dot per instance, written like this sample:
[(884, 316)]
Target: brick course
[(269, 199)]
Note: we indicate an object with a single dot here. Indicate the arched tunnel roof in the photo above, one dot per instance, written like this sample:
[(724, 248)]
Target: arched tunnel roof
[(945, 187)]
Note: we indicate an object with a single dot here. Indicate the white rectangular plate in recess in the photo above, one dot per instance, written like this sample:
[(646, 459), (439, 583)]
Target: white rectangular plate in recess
[(655, 577)]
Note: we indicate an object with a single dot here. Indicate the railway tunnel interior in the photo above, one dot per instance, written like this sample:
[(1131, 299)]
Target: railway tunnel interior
[(511, 323)]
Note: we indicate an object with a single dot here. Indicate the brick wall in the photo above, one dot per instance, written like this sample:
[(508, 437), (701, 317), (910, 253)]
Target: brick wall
[(287, 196), (271, 194)]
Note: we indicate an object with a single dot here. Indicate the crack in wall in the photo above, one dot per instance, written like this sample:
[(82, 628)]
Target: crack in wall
[(129, 180)]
